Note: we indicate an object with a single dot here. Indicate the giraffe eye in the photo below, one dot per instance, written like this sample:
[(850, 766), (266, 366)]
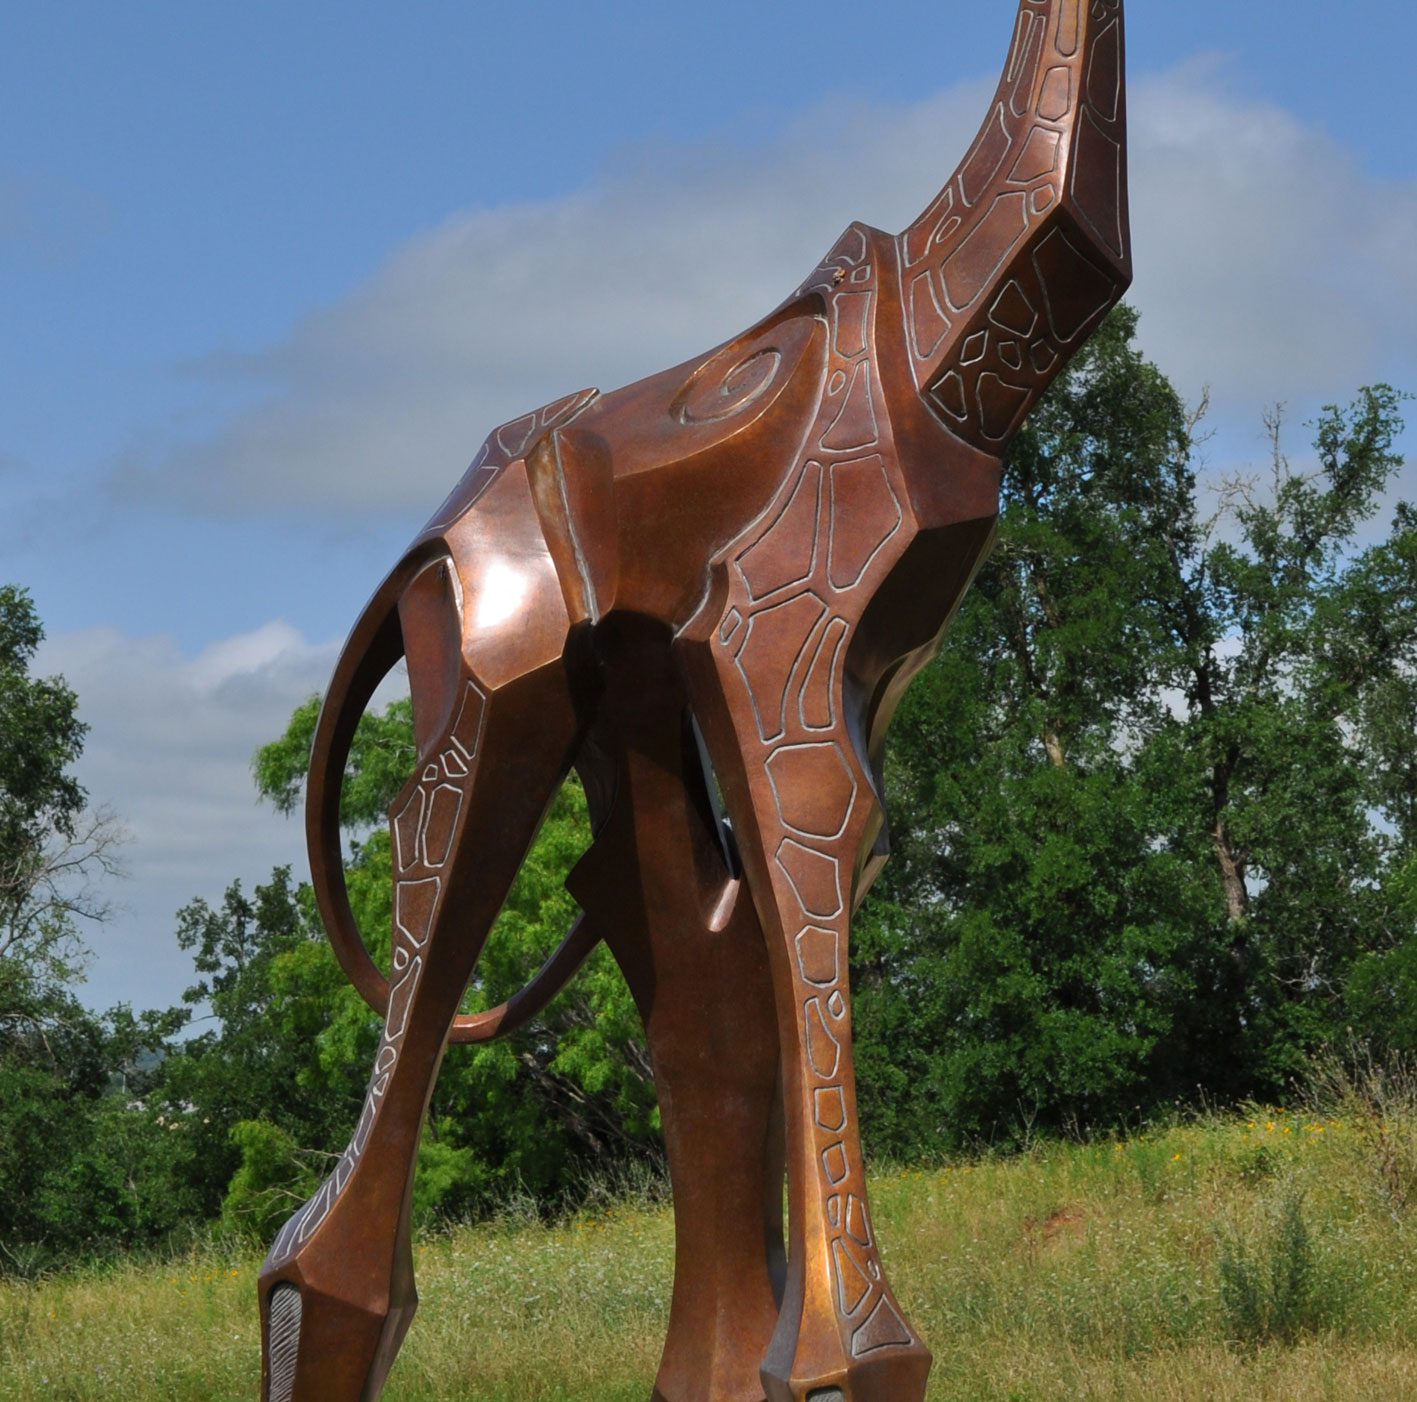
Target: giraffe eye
[(744, 373), (744, 383)]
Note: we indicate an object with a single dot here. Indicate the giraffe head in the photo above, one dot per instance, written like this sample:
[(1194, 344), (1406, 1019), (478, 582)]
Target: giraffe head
[(1027, 246)]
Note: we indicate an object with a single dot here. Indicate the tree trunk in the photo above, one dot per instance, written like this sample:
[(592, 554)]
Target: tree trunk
[(1053, 743), (1232, 873)]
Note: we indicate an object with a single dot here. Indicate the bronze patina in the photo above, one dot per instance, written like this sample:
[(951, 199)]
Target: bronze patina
[(716, 581)]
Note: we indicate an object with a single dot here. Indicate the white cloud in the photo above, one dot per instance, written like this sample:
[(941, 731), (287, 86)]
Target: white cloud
[(381, 399), (271, 647), (1269, 266), (169, 749)]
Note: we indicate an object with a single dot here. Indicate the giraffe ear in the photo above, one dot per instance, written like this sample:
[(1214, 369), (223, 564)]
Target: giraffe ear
[(1028, 246)]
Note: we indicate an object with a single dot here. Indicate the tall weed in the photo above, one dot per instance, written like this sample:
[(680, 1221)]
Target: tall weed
[(1378, 1100), (1276, 1288)]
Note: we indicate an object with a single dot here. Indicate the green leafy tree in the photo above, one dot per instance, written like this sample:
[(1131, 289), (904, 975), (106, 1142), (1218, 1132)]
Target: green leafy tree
[(54, 849), (50, 1048), (1029, 953), (276, 1083), (571, 1093), (257, 1077), (1288, 638), (273, 1178), (1154, 820), (568, 1094), (381, 757), (83, 1163), (1133, 799)]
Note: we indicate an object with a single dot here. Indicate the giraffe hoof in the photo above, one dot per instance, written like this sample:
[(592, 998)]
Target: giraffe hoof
[(321, 1348), (895, 1374)]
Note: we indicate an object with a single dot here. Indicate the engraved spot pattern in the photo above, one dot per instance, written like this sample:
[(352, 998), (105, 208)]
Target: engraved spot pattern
[(424, 831), (1041, 191), (798, 580)]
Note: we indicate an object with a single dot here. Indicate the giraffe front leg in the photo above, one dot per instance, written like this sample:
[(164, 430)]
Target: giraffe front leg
[(336, 1290), (802, 806)]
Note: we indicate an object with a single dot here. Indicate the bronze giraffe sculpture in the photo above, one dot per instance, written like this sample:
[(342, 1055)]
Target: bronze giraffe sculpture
[(719, 578)]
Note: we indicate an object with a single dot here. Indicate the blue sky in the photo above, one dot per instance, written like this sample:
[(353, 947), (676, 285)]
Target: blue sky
[(270, 272)]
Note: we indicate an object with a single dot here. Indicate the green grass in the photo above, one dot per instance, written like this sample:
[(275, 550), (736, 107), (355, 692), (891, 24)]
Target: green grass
[(1268, 1256)]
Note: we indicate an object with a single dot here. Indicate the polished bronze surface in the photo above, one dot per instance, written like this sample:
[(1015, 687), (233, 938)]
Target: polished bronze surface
[(716, 581)]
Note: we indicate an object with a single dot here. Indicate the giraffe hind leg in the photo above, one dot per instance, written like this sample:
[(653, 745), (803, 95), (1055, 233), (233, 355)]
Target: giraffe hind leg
[(337, 1290)]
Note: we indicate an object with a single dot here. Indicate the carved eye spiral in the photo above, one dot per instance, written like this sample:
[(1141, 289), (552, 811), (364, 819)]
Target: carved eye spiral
[(710, 396)]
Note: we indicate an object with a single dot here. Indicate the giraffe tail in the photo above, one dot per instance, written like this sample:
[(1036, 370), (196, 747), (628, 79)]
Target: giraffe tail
[(374, 647)]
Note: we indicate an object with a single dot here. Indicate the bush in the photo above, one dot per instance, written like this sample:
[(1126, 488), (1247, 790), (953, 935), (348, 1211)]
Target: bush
[(273, 1179), (1275, 1290)]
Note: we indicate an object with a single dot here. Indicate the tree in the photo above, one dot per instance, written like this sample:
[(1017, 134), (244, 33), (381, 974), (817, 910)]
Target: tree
[(1153, 812), (1287, 639), (268, 981), (52, 847), (1132, 801), (274, 1087), (78, 1156)]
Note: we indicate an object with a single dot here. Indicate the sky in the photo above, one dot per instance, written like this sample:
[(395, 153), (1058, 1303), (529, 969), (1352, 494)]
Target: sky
[(270, 272)]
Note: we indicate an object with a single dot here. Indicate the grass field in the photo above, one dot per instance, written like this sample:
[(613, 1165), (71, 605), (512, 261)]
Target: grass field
[(1265, 1256)]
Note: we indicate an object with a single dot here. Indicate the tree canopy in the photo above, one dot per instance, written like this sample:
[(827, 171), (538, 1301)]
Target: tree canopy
[(1149, 804), (60, 1168)]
